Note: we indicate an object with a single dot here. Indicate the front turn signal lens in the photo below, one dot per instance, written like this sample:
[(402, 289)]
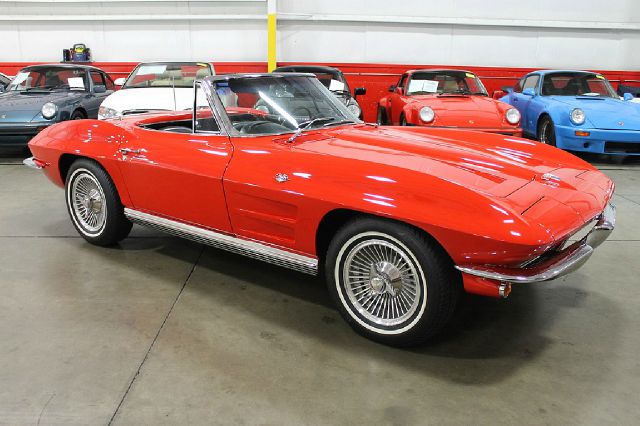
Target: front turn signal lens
[(582, 133)]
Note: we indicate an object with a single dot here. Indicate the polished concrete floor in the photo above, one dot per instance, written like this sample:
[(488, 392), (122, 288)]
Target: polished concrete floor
[(164, 331)]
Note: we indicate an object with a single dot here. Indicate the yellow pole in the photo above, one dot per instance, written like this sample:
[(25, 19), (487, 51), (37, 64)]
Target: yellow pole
[(271, 35)]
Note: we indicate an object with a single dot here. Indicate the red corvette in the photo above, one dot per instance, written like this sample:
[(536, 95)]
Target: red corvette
[(401, 220), (446, 98)]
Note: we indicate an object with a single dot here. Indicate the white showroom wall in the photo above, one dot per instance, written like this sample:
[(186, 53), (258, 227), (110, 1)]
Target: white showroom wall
[(544, 33)]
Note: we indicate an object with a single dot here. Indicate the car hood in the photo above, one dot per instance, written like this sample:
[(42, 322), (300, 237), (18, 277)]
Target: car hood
[(150, 98), (494, 165), (604, 113), (510, 174), (463, 111), (23, 106)]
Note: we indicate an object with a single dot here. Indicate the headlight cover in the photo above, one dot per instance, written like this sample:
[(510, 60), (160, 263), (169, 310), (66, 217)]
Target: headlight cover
[(513, 116), (353, 108), (577, 116), (49, 110), (106, 112), (427, 115)]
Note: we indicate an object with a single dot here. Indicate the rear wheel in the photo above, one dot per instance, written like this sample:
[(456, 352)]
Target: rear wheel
[(77, 115), (547, 131), (94, 205), (390, 282)]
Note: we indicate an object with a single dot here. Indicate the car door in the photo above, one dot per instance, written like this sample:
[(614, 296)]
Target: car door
[(178, 175), (522, 102), (396, 100), (94, 99)]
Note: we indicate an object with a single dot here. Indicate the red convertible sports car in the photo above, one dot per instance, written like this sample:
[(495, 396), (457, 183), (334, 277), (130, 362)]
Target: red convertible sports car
[(446, 98), (400, 220)]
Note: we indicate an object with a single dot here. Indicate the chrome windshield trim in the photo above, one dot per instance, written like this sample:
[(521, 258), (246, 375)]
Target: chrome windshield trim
[(249, 248), (561, 263)]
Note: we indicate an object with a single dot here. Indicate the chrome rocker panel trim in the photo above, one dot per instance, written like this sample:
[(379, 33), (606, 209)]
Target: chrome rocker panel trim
[(562, 263), (29, 162), (249, 248)]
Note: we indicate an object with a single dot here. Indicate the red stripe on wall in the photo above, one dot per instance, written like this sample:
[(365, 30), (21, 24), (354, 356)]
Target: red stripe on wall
[(376, 78)]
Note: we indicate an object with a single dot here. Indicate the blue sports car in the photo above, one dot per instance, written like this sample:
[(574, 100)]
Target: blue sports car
[(576, 110)]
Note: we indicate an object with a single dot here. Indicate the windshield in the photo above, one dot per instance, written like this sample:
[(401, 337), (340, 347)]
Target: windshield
[(280, 104), (577, 84), (49, 79), (170, 74), (445, 82)]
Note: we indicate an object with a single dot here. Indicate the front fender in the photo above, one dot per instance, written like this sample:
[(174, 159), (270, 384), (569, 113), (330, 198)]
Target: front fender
[(93, 139)]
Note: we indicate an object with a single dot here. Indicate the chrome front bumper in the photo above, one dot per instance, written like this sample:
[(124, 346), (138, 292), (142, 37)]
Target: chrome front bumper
[(31, 163), (555, 264)]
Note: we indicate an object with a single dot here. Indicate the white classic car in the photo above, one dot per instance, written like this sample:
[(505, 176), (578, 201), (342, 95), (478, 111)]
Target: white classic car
[(155, 86)]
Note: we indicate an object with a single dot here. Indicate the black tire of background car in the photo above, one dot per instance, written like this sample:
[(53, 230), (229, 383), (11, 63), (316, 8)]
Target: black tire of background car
[(442, 283), (403, 120), (382, 116), (117, 226), (77, 115), (546, 125)]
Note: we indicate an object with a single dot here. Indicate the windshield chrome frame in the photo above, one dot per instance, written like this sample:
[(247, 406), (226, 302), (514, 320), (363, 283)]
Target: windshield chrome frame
[(224, 121)]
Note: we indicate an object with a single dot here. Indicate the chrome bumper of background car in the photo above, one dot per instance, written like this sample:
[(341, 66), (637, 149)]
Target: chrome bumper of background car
[(553, 265)]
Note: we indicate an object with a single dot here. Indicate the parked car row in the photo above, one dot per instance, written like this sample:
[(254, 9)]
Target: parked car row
[(398, 220), (573, 110)]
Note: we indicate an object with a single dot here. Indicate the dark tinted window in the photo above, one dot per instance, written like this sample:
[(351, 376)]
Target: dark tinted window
[(531, 82)]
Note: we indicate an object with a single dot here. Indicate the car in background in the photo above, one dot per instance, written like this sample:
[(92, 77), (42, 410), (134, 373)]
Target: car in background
[(78, 53), (42, 95), (4, 81), (334, 80), (399, 221), (446, 98), (578, 111), (155, 86)]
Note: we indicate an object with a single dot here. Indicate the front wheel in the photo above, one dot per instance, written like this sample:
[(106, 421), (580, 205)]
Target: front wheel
[(547, 131), (390, 282), (94, 205)]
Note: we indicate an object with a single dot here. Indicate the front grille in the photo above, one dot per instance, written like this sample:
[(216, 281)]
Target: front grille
[(622, 147)]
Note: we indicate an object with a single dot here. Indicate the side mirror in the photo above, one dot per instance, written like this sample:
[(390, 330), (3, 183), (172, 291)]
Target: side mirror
[(392, 88), (627, 97), (507, 89), (120, 81), (358, 91), (529, 92), (99, 88), (498, 94)]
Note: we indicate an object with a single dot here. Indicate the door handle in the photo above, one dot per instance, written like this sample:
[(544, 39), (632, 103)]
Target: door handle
[(128, 151)]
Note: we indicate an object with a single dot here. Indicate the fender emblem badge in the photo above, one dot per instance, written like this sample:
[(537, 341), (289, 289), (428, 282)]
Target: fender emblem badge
[(621, 123), (281, 177)]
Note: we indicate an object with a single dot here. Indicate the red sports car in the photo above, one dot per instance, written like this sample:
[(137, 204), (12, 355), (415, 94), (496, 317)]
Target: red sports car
[(401, 220), (446, 98)]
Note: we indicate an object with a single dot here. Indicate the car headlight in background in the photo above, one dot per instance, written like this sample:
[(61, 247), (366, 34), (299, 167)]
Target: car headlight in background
[(354, 109), (577, 116), (105, 112), (513, 116), (427, 115), (49, 110)]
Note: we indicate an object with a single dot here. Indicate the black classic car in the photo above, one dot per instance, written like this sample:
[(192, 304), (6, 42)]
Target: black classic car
[(41, 95), (334, 80)]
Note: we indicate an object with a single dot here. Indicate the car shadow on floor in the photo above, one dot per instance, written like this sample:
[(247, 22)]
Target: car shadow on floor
[(487, 341)]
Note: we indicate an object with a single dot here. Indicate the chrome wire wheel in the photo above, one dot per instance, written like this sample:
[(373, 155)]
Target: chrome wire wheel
[(382, 282), (544, 132), (87, 201)]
